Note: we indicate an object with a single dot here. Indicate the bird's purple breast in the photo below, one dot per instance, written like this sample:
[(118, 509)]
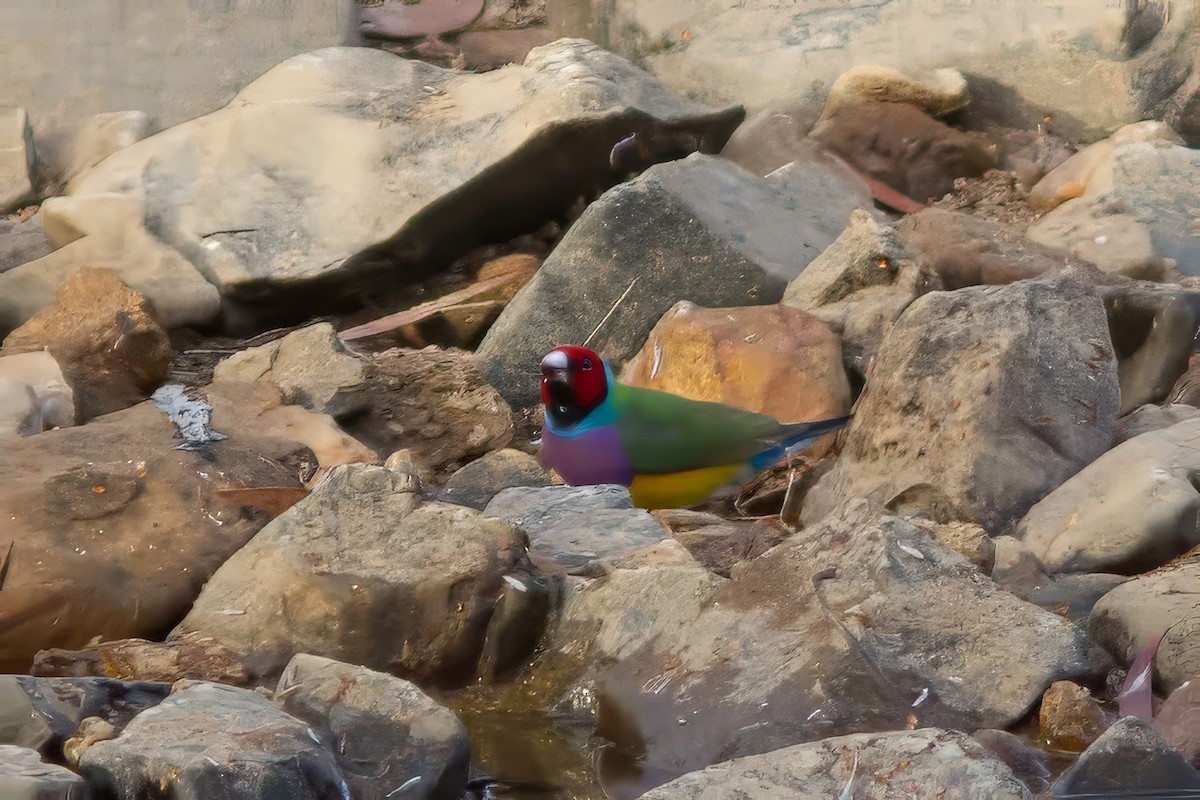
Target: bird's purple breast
[(588, 458)]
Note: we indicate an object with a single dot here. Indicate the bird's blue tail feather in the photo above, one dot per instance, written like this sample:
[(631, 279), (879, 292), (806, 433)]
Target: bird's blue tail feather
[(794, 437)]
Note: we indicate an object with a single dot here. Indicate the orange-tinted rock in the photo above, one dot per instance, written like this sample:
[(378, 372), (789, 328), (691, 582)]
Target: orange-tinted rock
[(108, 339), (194, 657), (772, 359), (1070, 718)]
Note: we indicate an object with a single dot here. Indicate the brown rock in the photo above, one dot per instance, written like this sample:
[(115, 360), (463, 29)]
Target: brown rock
[(904, 148), (771, 359), (720, 544), (942, 92), (434, 403), (141, 660), (114, 530), (108, 339), (965, 250), (1178, 719), (1070, 718)]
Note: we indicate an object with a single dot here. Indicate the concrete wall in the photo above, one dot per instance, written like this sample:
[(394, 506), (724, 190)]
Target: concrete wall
[(65, 60)]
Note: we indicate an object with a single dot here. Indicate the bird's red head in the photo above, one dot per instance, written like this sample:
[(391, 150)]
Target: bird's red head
[(573, 383)]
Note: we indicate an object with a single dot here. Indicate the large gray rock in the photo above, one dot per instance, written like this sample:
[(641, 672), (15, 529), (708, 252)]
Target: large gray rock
[(475, 484), (364, 571), (700, 229), (388, 731), (845, 626), (981, 402), (371, 197), (24, 776), (1140, 611), (17, 159), (1130, 759), (573, 525), (881, 765), (860, 285), (1132, 509), (212, 742), (1090, 66)]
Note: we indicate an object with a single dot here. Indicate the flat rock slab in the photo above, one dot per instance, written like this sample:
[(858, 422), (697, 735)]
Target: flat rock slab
[(574, 525), (393, 176), (700, 229), (883, 766)]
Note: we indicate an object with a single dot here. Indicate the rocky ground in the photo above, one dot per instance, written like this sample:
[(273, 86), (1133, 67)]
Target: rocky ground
[(272, 523)]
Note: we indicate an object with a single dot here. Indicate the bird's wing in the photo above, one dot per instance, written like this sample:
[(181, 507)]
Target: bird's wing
[(664, 433)]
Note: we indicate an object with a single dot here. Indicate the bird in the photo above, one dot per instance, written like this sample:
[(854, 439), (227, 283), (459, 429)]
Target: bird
[(670, 451)]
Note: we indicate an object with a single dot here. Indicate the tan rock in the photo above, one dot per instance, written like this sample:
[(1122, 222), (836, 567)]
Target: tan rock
[(942, 92), (101, 136), (1104, 231), (1090, 169), (108, 338), (774, 360), (968, 540), (41, 371), (19, 412), (191, 657), (1070, 718), (106, 231)]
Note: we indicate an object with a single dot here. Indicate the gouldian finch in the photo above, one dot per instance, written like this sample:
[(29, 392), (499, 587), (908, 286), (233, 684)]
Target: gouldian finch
[(670, 451)]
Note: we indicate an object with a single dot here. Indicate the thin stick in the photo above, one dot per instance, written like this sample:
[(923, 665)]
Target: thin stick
[(620, 300)]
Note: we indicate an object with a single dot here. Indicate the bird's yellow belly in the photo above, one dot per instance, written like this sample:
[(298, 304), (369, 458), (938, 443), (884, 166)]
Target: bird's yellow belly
[(679, 489)]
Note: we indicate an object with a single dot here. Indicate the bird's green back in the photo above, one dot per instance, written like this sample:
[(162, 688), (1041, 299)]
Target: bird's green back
[(665, 433)]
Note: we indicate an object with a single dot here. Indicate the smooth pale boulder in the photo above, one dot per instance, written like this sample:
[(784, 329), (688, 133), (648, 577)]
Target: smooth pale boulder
[(1132, 509)]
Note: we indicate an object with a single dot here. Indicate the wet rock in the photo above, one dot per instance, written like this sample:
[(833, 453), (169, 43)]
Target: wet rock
[(18, 162), (98, 138), (1147, 418), (20, 413), (389, 732), (1130, 758), (942, 92), (1071, 178), (1178, 719), (1070, 719), (349, 226), (363, 571), (735, 240), (43, 713), (309, 366), (24, 776), (22, 241), (775, 136), (571, 526), (965, 250), (860, 285), (944, 425), (1132, 509), (1138, 612), (108, 339), (478, 482), (208, 740), (432, 402), (1104, 231), (1158, 182), (1153, 331), (459, 319), (190, 657), (256, 412), (773, 359), (107, 231), (904, 148), (39, 369), (115, 529), (1028, 763), (846, 625), (721, 544), (882, 763), (1073, 596)]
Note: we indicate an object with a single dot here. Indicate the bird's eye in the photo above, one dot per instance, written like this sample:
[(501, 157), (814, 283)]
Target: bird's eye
[(587, 364)]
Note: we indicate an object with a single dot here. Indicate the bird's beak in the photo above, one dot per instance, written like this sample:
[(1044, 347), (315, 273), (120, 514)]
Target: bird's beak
[(556, 376)]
